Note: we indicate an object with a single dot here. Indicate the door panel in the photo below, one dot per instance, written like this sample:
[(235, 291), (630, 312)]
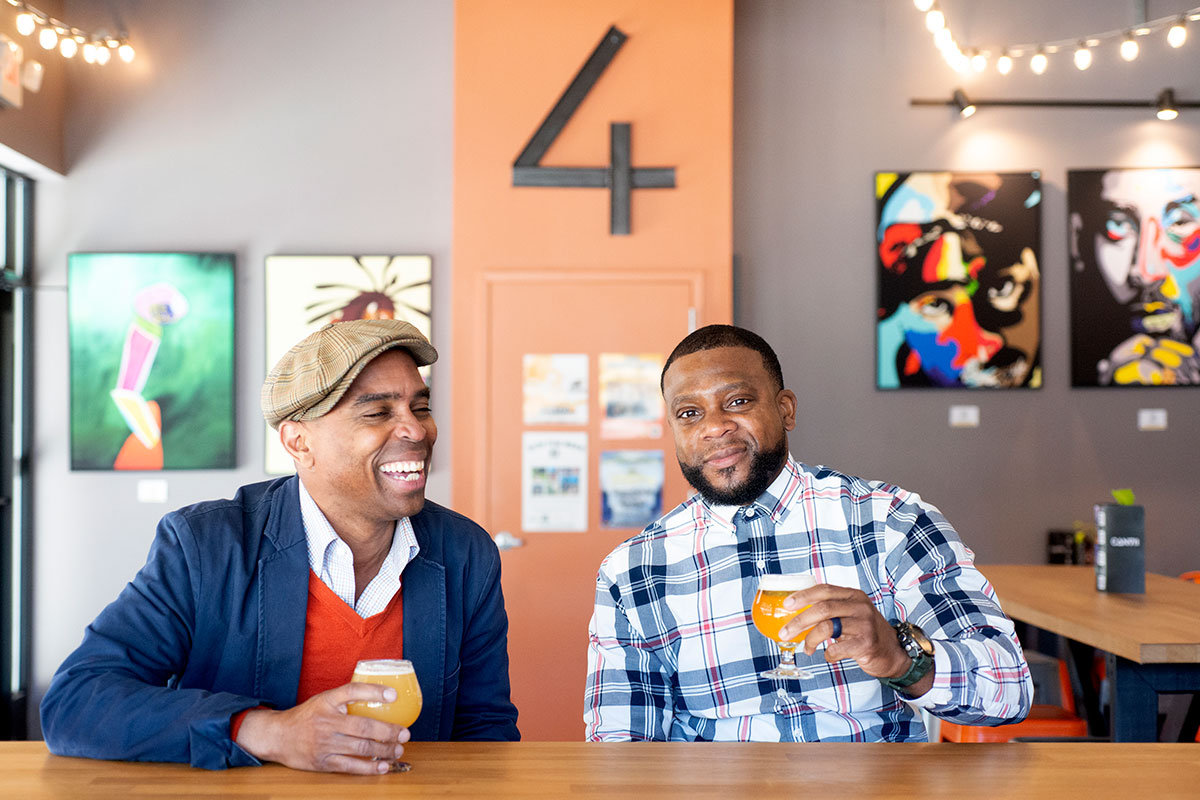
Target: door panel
[(549, 581)]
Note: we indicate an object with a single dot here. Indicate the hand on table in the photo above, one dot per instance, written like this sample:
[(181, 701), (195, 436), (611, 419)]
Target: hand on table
[(866, 637), (319, 735)]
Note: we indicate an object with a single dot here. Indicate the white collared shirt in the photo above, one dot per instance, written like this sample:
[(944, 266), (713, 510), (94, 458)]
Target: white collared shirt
[(333, 562)]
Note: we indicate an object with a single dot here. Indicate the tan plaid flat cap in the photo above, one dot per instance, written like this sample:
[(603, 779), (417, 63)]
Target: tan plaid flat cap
[(310, 379)]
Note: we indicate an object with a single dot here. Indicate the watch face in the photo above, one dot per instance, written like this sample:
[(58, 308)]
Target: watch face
[(912, 634)]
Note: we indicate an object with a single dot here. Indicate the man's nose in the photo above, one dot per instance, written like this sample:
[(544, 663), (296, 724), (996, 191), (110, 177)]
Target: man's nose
[(1150, 266), (408, 427)]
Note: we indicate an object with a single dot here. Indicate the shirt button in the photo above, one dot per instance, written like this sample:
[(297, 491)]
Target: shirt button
[(781, 694), (761, 564), (749, 512)]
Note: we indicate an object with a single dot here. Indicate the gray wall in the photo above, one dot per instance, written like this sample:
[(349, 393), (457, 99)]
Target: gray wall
[(253, 127), (304, 126), (821, 101)]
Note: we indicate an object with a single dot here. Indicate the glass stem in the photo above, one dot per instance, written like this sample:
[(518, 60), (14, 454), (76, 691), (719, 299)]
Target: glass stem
[(787, 658)]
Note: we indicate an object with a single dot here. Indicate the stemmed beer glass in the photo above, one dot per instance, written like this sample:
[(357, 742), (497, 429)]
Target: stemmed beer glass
[(399, 674), (769, 616)]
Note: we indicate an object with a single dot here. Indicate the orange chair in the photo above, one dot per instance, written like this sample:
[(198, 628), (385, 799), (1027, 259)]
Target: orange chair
[(1044, 720)]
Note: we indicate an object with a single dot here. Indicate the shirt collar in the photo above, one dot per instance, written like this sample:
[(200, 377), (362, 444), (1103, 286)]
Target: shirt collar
[(775, 501), (321, 536)]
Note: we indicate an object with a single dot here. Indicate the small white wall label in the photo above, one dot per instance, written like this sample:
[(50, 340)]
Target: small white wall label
[(964, 416), (1152, 419), (152, 490)]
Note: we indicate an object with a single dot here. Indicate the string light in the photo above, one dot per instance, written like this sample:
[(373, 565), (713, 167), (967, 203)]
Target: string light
[(1085, 50), (1083, 57), (1177, 35), (54, 33), (1129, 48)]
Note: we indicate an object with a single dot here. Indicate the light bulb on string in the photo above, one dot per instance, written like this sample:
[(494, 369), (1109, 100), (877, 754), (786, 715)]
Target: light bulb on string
[(1129, 48), (1004, 64), (89, 52), (943, 39), (1083, 57), (103, 54), (1177, 35), (68, 47), (923, 5), (48, 38), (126, 52), (1039, 62), (935, 21), (978, 61), (26, 24)]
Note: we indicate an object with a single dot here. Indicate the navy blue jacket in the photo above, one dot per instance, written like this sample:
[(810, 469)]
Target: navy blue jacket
[(214, 624)]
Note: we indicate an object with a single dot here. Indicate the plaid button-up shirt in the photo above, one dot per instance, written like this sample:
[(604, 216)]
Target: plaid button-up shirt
[(674, 655)]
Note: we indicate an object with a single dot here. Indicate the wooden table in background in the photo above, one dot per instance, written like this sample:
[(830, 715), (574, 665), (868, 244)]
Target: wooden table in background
[(1154, 638), (649, 770)]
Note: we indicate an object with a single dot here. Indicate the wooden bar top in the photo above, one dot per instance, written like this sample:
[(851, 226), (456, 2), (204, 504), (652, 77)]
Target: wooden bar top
[(1161, 626), (1097, 771)]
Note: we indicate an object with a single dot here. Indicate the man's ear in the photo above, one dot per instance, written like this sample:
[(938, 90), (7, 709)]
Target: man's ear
[(294, 436), (787, 408)]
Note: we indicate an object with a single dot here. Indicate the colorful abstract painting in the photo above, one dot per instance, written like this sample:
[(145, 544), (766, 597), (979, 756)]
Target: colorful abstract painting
[(959, 282), (305, 293), (151, 360), (1135, 276)]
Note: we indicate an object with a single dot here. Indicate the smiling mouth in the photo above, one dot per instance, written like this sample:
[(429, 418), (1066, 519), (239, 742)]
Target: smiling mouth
[(404, 470), (725, 457)]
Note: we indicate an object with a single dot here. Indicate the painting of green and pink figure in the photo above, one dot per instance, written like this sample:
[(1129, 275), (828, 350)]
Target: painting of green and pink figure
[(151, 360)]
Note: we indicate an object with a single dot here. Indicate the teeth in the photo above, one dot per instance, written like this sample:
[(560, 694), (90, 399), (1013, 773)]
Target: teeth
[(393, 467)]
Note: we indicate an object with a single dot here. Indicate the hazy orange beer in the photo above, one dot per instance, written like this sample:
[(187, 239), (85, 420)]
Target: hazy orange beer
[(769, 616), (397, 673)]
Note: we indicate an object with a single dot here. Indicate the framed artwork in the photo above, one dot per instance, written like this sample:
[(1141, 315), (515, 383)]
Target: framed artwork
[(304, 293), (958, 278), (1135, 276), (151, 360)]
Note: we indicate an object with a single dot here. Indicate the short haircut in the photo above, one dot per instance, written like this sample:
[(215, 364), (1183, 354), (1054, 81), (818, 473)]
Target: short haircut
[(713, 337)]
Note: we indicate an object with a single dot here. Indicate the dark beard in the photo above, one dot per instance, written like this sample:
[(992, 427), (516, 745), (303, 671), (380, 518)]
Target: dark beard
[(763, 469)]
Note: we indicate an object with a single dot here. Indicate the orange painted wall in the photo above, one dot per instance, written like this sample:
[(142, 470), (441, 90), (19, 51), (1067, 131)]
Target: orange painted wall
[(673, 81)]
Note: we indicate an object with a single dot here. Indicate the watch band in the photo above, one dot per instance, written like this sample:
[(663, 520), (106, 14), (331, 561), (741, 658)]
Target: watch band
[(922, 658)]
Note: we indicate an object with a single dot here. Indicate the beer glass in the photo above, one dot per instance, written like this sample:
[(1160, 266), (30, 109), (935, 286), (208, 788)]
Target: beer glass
[(399, 674), (769, 616)]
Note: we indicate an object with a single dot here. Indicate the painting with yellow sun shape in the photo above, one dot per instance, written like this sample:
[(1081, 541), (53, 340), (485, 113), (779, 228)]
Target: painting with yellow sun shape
[(305, 293)]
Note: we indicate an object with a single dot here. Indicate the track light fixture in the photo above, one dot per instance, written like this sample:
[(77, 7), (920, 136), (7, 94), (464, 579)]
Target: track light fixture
[(1165, 106), (965, 107)]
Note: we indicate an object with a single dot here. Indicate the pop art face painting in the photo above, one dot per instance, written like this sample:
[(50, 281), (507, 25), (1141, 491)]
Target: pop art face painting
[(1135, 278), (959, 289)]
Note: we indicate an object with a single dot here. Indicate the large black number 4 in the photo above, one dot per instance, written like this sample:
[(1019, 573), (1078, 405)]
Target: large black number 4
[(619, 177)]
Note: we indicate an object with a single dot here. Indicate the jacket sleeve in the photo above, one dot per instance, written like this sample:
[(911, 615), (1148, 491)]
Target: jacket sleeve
[(484, 710), (981, 677), (115, 697)]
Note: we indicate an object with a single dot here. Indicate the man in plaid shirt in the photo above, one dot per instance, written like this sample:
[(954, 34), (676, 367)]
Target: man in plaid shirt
[(900, 619)]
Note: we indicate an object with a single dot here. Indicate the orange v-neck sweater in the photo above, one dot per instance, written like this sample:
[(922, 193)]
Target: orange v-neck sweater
[(336, 638)]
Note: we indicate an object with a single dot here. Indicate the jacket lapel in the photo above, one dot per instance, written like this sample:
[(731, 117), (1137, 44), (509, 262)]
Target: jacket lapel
[(283, 600), (425, 640)]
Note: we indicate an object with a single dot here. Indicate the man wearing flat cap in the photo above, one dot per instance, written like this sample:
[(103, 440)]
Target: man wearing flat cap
[(236, 641)]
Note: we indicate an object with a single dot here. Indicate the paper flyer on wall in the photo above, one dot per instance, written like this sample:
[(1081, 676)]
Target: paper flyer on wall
[(631, 488), (555, 388), (554, 481), (630, 400)]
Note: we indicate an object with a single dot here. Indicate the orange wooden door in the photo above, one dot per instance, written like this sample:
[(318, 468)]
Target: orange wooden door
[(537, 270), (549, 581)]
